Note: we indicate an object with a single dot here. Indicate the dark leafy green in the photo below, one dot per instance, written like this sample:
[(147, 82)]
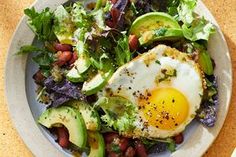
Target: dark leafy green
[(41, 23), (80, 17), (28, 49), (44, 59), (172, 6), (171, 146), (115, 148), (123, 54), (160, 31)]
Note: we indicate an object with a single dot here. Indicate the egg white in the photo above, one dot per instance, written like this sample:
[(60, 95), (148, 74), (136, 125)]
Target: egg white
[(139, 75)]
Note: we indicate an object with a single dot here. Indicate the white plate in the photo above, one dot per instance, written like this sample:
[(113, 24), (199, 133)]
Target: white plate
[(24, 109)]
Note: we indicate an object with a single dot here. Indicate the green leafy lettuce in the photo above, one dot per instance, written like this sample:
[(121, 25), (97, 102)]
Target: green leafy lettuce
[(200, 29), (119, 113), (194, 28), (64, 27), (185, 11), (44, 58), (41, 23), (28, 49), (80, 17), (122, 52)]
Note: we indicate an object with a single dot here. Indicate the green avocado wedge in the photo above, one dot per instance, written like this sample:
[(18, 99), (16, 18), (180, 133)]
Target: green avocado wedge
[(74, 76), (63, 27), (205, 62), (96, 83), (71, 119), (160, 34), (90, 116), (156, 26), (152, 21), (82, 64), (97, 144)]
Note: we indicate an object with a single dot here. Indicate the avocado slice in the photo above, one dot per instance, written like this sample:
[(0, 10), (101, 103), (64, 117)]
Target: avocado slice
[(160, 34), (96, 83), (152, 21), (205, 62), (64, 27), (97, 144), (90, 116), (71, 119), (82, 64), (74, 76)]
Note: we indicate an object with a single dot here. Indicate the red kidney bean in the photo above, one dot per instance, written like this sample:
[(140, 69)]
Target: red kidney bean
[(38, 77), (133, 42), (140, 149), (123, 143), (130, 152), (62, 47), (74, 58), (179, 138), (63, 137), (59, 63), (115, 14), (65, 56), (109, 137), (110, 23)]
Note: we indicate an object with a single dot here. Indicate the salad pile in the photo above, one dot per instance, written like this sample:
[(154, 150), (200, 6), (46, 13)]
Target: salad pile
[(122, 77)]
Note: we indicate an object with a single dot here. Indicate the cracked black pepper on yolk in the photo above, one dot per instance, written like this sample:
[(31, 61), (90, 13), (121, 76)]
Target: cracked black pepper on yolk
[(164, 108)]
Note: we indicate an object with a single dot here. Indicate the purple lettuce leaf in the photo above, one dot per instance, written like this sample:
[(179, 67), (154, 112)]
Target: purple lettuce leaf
[(143, 6), (207, 114), (63, 91), (59, 99), (158, 148), (116, 15)]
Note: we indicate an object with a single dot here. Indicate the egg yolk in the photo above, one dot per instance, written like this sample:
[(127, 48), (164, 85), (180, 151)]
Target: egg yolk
[(164, 108)]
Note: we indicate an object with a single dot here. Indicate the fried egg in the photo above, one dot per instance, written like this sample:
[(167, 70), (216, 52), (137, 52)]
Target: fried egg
[(166, 85)]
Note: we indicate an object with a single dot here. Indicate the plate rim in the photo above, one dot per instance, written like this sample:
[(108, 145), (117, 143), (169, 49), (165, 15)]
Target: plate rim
[(16, 121)]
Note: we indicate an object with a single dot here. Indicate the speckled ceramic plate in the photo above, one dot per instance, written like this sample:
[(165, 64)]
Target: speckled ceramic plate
[(24, 110)]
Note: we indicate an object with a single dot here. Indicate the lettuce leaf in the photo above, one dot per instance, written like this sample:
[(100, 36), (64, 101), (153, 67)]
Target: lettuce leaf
[(80, 17), (63, 91), (28, 49), (63, 26), (194, 28), (122, 52), (41, 23), (119, 113), (200, 29), (185, 11)]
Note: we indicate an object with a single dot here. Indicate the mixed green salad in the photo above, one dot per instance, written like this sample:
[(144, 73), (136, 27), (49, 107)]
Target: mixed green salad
[(87, 48)]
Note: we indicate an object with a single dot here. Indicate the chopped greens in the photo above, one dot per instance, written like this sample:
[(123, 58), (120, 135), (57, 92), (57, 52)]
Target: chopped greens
[(28, 49), (44, 59), (41, 23), (119, 113), (171, 146), (200, 29), (123, 54), (185, 11)]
